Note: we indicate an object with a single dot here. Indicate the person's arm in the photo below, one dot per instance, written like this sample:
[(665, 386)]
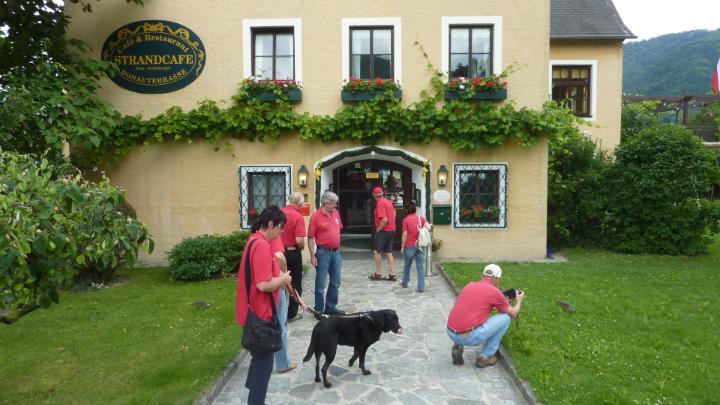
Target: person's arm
[(274, 283), (300, 241), (402, 244), (311, 247), (380, 227), (514, 310), (282, 262)]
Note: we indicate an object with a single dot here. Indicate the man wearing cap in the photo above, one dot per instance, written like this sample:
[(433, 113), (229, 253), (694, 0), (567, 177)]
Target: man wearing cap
[(293, 240), (470, 323), (324, 245), (384, 234)]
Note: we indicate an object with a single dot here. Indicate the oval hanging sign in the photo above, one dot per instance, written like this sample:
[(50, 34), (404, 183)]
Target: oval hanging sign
[(155, 56)]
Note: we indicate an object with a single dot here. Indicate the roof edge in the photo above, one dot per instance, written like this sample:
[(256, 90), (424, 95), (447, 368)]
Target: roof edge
[(574, 36)]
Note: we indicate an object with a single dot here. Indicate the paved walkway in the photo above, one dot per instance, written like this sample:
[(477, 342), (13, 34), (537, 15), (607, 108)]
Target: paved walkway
[(412, 369)]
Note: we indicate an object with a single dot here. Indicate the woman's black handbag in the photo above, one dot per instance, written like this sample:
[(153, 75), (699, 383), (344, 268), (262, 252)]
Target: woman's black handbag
[(260, 336)]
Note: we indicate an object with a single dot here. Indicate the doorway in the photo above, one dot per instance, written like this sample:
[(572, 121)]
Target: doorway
[(353, 183)]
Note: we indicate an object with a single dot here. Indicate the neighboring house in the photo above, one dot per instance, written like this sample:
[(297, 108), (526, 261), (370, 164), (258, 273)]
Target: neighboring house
[(182, 189), (586, 51)]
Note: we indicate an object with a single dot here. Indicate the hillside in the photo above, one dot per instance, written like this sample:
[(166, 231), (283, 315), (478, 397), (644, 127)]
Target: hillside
[(673, 64)]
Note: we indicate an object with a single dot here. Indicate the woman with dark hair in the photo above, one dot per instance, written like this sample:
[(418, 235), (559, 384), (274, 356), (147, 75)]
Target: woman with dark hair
[(410, 229), (266, 279)]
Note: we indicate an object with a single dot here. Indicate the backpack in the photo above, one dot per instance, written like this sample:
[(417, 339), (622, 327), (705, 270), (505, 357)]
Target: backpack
[(424, 237)]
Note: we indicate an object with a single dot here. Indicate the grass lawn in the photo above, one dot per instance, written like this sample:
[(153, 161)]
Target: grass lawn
[(645, 330), (140, 342)]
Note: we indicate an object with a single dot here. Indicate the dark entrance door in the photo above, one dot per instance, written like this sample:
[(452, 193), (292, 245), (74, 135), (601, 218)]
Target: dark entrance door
[(354, 182)]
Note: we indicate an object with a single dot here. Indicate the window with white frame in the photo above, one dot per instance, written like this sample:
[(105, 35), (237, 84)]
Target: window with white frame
[(371, 48), (471, 46), (573, 83), (260, 187), (480, 194), (272, 48)]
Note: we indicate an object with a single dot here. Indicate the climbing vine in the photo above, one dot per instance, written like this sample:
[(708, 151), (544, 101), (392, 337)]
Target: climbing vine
[(463, 124)]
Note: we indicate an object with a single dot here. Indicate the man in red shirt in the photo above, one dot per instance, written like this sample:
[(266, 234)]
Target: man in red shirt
[(293, 239), (470, 323), (384, 234), (324, 245)]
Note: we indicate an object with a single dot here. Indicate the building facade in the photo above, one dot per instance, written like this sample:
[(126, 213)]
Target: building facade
[(187, 189)]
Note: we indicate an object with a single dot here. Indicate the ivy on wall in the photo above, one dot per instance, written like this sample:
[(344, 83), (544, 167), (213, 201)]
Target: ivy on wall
[(465, 125)]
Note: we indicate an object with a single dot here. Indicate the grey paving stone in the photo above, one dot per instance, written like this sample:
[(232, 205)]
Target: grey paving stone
[(414, 368)]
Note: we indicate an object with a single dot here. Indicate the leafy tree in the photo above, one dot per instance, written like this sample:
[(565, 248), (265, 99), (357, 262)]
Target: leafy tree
[(637, 116)]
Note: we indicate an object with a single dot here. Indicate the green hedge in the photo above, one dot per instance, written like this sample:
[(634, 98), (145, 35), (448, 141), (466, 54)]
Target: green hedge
[(207, 256), (56, 225)]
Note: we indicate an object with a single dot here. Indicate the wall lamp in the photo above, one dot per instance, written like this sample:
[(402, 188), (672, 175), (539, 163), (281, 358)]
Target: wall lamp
[(442, 174), (302, 176)]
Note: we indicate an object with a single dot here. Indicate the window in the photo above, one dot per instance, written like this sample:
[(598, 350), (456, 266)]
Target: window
[(574, 84), (371, 47), (273, 54), (571, 87), (480, 196), (260, 187), (471, 46), (470, 51), (272, 48), (371, 52)]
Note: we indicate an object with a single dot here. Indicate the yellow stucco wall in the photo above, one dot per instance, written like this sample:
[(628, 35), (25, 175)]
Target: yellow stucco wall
[(181, 190), (609, 56)]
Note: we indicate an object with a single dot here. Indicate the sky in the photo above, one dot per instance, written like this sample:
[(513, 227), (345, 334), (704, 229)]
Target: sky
[(652, 18)]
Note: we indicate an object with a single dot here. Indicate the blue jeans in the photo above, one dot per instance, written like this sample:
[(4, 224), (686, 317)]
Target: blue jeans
[(258, 377), (328, 264), (282, 361), (412, 252), (490, 333)]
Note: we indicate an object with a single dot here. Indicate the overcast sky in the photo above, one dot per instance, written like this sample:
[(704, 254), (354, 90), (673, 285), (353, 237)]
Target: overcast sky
[(651, 18)]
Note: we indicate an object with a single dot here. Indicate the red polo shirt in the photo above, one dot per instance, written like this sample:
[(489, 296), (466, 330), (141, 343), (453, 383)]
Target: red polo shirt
[(295, 226), (264, 267), (385, 209), (409, 225), (325, 228), (474, 305)]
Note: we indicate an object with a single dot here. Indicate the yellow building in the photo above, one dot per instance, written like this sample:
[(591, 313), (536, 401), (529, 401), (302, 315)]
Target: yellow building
[(204, 49)]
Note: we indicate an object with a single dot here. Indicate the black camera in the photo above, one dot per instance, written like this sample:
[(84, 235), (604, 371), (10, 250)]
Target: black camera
[(511, 293)]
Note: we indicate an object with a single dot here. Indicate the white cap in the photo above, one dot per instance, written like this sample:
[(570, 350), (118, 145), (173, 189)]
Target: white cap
[(493, 270)]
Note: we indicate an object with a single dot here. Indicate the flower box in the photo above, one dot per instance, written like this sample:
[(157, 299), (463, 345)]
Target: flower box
[(366, 95), (499, 94), (293, 95)]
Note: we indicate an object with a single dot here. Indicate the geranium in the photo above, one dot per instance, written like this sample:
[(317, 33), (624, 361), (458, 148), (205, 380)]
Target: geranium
[(480, 214), (470, 86), (252, 86), (355, 85)]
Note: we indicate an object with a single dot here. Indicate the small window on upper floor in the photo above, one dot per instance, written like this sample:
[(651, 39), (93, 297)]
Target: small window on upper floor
[(571, 87), (273, 54), (371, 52), (471, 51)]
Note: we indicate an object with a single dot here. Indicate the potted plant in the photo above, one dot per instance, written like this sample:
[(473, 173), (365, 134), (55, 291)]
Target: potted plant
[(355, 90), (271, 90), (479, 214), (479, 88)]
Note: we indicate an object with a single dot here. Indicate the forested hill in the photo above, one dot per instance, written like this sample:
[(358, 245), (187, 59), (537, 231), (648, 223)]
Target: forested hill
[(673, 64)]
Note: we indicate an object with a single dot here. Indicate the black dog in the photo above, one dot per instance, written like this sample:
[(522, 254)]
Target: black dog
[(357, 330)]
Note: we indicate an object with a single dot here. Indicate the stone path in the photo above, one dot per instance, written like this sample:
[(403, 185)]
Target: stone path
[(412, 369)]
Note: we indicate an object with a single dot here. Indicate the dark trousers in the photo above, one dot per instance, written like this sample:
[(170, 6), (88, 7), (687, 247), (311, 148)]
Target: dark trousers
[(258, 377), (294, 263)]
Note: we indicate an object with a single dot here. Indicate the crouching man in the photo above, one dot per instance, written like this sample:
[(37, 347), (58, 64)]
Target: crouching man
[(470, 323)]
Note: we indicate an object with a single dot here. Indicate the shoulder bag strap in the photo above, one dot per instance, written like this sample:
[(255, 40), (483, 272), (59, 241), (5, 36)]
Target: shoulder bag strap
[(248, 279)]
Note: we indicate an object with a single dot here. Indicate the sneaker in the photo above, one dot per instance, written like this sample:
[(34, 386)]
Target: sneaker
[(293, 366), (483, 361), (420, 290), (335, 312), (318, 315), (403, 285), (297, 317), (457, 355)]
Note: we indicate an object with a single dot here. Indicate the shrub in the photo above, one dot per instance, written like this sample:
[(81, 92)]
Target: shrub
[(55, 226), (654, 193), (575, 166), (637, 116), (206, 256)]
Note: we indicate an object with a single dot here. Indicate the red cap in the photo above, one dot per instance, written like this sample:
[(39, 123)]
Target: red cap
[(377, 191)]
